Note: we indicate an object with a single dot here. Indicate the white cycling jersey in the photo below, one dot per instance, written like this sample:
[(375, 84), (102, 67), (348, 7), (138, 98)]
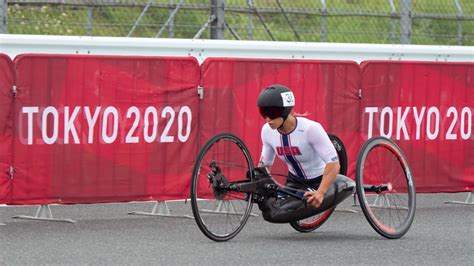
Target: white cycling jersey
[(306, 150)]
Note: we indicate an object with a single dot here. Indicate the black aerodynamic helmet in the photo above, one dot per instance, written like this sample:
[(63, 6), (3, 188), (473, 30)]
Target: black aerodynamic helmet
[(276, 101)]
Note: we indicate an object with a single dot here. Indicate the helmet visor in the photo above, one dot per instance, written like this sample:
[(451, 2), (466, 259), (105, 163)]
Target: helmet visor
[(271, 112)]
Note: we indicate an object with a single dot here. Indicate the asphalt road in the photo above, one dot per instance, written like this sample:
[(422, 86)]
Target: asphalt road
[(442, 234)]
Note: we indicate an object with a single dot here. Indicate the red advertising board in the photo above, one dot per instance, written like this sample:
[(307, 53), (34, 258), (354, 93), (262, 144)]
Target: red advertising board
[(427, 108), (325, 91), (6, 125), (88, 129), (103, 128)]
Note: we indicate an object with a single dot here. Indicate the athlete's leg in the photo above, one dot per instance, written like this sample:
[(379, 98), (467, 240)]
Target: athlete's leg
[(293, 209)]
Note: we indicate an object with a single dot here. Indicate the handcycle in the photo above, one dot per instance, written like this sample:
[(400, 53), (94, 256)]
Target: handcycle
[(224, 187)]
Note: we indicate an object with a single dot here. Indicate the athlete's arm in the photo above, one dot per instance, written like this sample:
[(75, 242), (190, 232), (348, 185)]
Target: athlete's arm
[(330, 172), (321, 143), (268, 153)]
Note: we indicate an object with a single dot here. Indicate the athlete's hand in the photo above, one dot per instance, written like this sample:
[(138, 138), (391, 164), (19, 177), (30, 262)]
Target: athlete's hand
[(314, 198)]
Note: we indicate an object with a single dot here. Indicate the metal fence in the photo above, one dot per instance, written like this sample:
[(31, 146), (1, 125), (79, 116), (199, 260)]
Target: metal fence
[(444, 22)]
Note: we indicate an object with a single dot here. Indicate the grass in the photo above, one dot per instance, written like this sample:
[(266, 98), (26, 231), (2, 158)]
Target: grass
[(369, 22)]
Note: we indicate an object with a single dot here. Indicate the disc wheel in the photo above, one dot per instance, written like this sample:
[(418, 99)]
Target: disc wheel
[(314, 222), (220, 213), (385, 187)]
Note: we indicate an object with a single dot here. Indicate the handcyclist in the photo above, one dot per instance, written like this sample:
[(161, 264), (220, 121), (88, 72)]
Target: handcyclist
[(306, 149)]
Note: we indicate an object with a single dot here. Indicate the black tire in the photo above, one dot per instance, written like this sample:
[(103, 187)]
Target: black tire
[(314, 222), (341, 153), (382, 163), (220, 214)]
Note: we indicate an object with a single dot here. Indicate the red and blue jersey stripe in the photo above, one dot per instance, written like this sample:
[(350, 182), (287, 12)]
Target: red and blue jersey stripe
[(291, 158)]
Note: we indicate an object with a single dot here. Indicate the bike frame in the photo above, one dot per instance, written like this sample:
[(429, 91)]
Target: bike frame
[(267, 184)]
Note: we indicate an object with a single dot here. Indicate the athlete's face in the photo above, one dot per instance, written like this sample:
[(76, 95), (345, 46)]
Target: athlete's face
[(274, 123)]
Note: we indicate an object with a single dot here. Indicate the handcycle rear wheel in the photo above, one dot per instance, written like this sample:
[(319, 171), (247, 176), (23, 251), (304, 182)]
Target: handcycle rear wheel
[(314, 222), (341, 152), (384, 178), (219, 213)]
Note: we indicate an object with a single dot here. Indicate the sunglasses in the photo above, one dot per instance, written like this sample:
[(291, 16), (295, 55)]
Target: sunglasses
[(271, 112)]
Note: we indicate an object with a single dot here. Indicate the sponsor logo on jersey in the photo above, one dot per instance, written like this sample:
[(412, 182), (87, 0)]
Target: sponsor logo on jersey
[(288, 150)]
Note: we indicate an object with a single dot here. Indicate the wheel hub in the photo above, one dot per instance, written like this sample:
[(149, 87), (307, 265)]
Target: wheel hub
[(218, 182)]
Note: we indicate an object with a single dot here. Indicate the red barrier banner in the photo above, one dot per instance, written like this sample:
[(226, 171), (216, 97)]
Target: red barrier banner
[(327, 91), (104, 128), (6, 125), (427, 108)]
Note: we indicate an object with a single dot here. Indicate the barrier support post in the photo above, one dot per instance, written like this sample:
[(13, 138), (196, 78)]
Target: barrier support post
[(44, 214), (468, 201), (353, 205), (161, 209)]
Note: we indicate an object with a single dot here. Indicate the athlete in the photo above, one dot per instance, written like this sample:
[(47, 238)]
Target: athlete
[(306, 149)]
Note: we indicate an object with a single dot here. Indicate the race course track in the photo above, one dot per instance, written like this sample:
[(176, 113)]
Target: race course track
[(441, 234)]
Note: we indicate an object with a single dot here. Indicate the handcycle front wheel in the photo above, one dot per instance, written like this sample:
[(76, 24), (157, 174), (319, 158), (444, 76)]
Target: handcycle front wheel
[(385, 187), (314, 222), (220, 213)]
